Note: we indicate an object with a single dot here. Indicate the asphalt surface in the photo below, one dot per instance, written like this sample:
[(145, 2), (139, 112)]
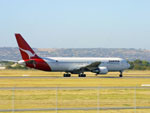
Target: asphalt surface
[(59, 77), (68, 88), (89, 108)]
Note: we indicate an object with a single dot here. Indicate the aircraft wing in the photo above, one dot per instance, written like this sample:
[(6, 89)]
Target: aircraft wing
[(19, 62), (89, 67), (13, 61)]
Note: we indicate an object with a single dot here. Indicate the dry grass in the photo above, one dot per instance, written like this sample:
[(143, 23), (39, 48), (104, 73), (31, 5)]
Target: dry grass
[(72, 82), (73, 98), (90, 111), (43, 73)]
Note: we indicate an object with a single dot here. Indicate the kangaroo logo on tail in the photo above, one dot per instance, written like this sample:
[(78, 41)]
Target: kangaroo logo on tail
[(29, 53), (29, 56), (25, 50)]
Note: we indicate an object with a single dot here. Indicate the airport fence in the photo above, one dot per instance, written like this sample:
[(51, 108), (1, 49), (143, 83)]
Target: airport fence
[(75, 99)]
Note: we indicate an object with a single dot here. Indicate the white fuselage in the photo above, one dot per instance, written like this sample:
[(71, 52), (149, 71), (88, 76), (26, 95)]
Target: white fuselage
[(72, 63)]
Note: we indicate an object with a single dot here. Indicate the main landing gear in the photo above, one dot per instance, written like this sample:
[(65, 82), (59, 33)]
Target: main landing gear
[(82, 75), (69, 75), (121, 75)]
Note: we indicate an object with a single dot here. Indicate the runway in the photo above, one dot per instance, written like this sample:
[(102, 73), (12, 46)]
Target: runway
[(59, 77), (66, 109), (70, 88)]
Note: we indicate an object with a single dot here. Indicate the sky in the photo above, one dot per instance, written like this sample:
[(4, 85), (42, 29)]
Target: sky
[(76, 23)]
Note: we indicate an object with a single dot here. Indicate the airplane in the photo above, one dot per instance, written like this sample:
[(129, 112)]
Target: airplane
[(69, 65)]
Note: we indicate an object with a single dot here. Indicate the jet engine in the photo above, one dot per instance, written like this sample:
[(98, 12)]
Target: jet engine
[(100, 70)]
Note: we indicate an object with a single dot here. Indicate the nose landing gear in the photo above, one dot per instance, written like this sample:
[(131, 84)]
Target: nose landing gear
[(121, 75)]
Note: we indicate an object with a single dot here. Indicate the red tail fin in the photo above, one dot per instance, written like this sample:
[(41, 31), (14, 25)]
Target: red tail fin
[(25, 50)]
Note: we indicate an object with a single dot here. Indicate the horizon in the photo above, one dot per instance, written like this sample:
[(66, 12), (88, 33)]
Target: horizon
[(81, 48), (12, 53)]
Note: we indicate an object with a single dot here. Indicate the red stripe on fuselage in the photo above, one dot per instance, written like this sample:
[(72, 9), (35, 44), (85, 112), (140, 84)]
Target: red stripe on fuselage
[(38, 64)]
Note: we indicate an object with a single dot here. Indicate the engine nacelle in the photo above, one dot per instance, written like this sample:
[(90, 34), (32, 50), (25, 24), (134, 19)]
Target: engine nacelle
[(100, 70)]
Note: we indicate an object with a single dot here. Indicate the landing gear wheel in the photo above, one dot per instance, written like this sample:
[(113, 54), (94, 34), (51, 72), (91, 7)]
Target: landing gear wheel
[(82, 75), (67, 75), (121, 75)]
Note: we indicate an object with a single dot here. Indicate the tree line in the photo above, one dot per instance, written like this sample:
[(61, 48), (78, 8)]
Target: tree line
[(139, 65)]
